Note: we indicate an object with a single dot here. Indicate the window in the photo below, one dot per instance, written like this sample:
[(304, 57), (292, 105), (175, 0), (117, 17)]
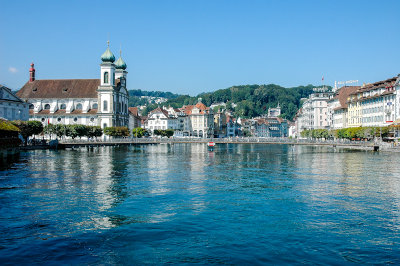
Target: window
[(75, 119), (63, 106), (47, 106), (105, 77), (79, 106), (105, 106), (94, 106), (104, 125), (31, 106), (92, 119), (59, 119)]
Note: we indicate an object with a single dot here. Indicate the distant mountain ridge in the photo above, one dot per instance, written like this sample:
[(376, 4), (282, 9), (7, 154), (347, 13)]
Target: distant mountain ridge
[(249, 100)]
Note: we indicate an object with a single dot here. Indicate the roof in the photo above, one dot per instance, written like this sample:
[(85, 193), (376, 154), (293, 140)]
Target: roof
[(60, 88), (388, 83), (133, 110), (11, 96), (343, 93), (159, 110), (187, 109), (63, 112)]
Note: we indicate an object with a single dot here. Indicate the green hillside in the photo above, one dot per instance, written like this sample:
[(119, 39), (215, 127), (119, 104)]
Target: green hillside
[(250, 100)]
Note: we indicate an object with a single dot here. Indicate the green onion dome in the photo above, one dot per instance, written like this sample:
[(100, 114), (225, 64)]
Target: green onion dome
[(108, 56), (120, 64)]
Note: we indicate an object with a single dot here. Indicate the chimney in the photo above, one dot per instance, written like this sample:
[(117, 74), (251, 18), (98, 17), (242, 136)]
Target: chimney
[(32, 73)]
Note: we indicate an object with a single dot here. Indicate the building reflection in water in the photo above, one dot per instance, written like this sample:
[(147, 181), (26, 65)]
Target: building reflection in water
[(105, 187)]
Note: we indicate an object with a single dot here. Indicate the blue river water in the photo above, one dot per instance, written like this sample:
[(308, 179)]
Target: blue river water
[(183, 204)]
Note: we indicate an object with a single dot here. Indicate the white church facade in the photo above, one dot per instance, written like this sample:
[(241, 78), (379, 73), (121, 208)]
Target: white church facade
[(95, 102)]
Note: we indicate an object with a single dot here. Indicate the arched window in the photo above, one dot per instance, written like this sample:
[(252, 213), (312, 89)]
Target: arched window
[(105, 106), (31, 106), (63, 106), (47, 106), (94, 106), (79, 106), (105, 77)]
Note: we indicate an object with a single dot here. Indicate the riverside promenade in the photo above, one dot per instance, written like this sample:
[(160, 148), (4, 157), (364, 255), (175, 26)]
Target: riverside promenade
[(364, 145)]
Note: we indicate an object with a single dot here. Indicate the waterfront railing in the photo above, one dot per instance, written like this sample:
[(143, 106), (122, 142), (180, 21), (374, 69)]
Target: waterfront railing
[(216, 140)]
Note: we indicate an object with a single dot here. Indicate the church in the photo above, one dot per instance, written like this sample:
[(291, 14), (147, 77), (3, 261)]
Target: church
[(94, 102)]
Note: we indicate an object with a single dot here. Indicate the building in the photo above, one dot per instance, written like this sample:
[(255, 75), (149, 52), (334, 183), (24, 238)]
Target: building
[(274, 112), (270, 127), (96, 102), (201, 120), (374, 105), (314, 111), (233, 128), (11, 106), (161, 120), (219, 124), (134, 118), (337, 107)]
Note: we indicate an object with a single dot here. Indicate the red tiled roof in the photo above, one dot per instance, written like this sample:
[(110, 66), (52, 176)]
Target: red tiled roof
[(60, 111), (63, 112), (344, 92), (44, 112), (187, 109), (134, 111), (92, 111), (379, 84), (60, 88), (160, 110), (76, 112)]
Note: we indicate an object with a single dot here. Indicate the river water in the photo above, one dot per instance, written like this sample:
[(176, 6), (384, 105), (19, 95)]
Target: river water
[(183, 204)]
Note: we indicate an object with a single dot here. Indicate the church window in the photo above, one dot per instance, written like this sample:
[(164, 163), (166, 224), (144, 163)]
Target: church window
[(63, 106), (79, 106), (94, 106), (105, 77), (31, 106), (105, 106), (47, 106)]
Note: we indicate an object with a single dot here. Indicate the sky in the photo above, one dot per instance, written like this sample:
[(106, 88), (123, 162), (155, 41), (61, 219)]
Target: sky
[(194, 46)]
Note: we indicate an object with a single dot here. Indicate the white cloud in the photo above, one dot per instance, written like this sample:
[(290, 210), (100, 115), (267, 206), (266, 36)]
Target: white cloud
[(13, 70)]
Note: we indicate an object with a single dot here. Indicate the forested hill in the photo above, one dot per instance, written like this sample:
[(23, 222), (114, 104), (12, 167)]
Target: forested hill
[(139, 97), (139, 93), (250, 100)]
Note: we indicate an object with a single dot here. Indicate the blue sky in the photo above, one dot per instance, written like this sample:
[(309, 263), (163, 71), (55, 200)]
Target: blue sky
[(194, 46)]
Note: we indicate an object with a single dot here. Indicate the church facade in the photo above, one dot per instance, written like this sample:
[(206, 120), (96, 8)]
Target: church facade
[(95, 102)]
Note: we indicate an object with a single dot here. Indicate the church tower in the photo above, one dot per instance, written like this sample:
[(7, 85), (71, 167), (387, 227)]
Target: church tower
[(106, 92), (120, 67), (122, 92)]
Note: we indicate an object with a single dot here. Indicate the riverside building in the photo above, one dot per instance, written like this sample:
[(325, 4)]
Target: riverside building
[(95, 102), (314, 111), (337, 107), (374, 105), (12, 107)]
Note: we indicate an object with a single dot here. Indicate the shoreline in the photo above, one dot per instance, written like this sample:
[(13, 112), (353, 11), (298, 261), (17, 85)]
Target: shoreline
[(130, 142)]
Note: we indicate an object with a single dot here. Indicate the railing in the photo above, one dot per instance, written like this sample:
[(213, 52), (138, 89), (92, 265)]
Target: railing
[(218, 140)]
